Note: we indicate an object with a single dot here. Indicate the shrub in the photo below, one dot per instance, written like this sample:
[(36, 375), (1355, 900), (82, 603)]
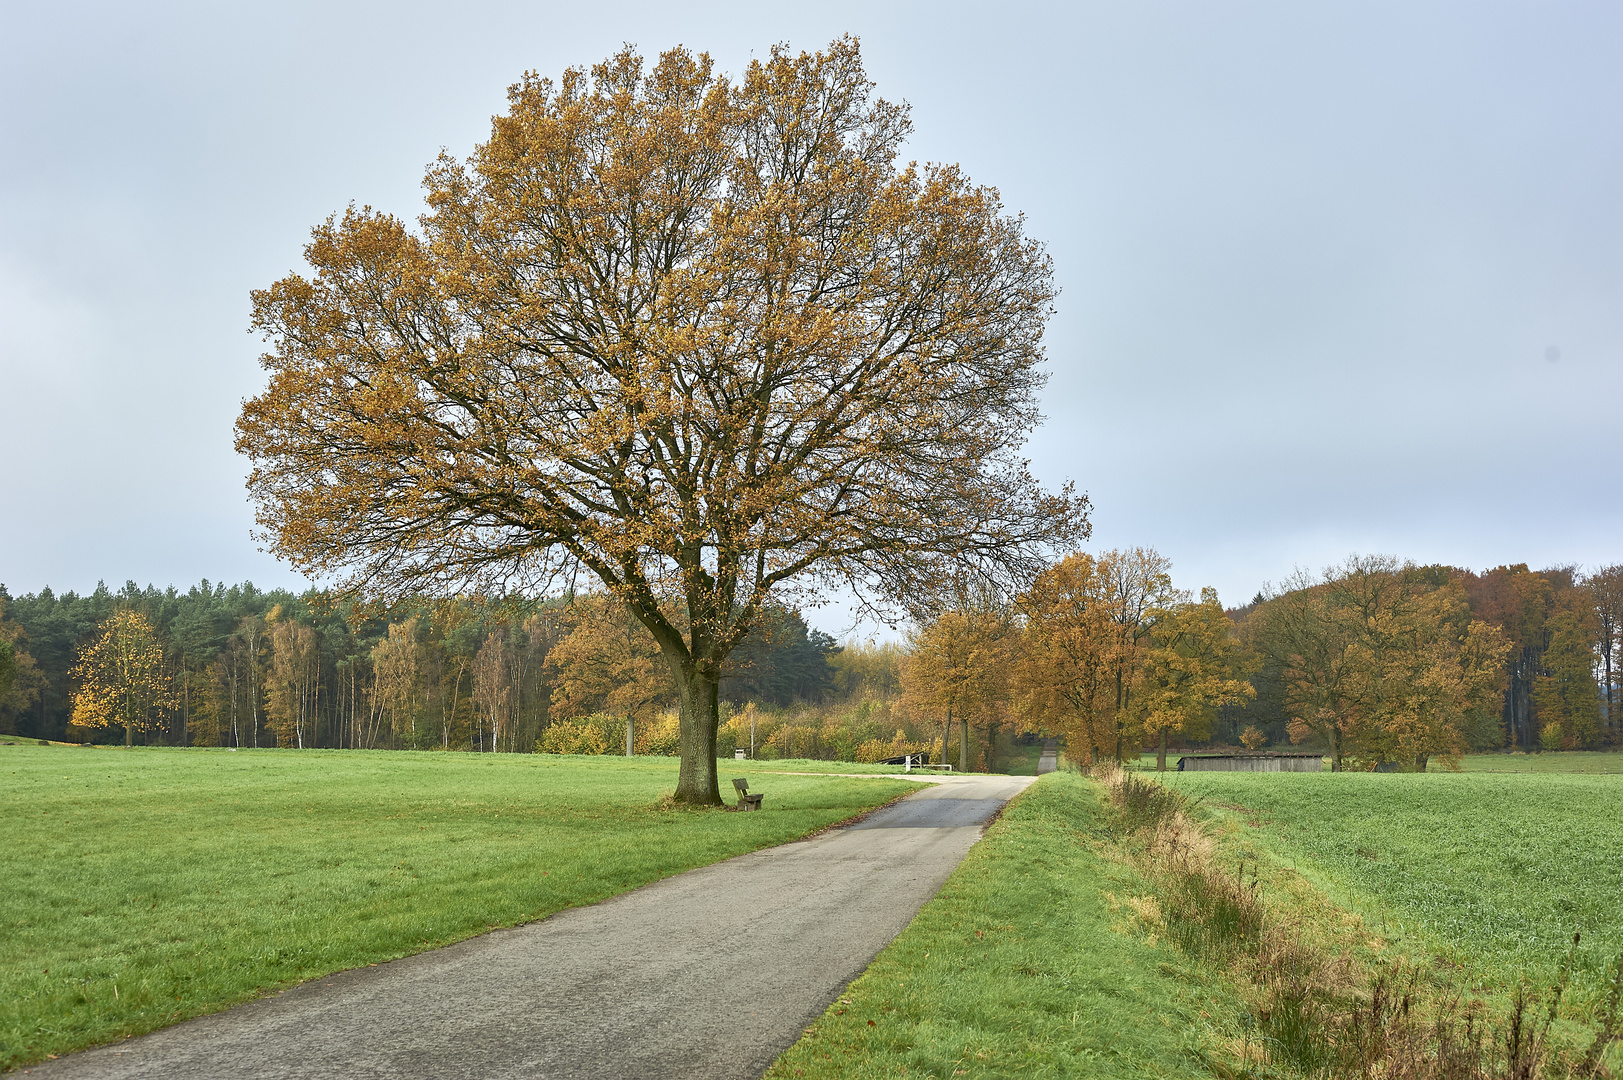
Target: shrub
[(896, 746), (662, 735), (572, 737)]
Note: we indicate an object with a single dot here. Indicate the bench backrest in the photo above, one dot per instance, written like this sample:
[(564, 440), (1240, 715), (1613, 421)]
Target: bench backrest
[(742, 785)]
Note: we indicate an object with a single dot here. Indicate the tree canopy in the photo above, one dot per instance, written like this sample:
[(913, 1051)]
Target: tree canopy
[(1382, 659), (122, 681), (705, 340)]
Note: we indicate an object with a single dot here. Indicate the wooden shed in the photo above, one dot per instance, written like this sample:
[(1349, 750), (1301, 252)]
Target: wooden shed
[(1256, 762)]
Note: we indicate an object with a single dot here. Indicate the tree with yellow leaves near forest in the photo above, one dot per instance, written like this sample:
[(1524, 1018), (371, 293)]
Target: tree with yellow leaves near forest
[(122, 679), (1381, 660), (1088, 633), (1194, 666), (607, 663), (293, 680), (704, 340), (957, 674)]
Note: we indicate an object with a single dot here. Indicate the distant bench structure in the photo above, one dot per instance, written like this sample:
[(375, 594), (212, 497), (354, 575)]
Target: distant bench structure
[(909, 762), (746, 801), (1253, 762)]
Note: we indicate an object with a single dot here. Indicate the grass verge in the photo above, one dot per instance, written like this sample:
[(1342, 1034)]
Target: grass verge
[(1025, 964), (146, 886)]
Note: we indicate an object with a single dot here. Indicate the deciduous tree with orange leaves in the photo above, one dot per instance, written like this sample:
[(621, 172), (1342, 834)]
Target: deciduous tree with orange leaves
[(1194, 666), (1088, 626), (1382, 660), (958, 674), (607, 663), (706, 340)]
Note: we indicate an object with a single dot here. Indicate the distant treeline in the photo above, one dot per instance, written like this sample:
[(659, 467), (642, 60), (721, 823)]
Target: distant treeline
[(1556, 688), (239, 666), (1374, 661)]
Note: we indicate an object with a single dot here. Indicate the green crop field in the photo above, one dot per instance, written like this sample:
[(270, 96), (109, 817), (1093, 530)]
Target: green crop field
[(1558, 761), (1031, 962), (144, 886), (1487, 874)]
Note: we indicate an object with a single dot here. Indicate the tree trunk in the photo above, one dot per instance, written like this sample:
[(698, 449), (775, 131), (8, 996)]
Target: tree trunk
[(696, 783), (946, 726), (631, 739), (1335, 750), (1161, 753), (963, 744)]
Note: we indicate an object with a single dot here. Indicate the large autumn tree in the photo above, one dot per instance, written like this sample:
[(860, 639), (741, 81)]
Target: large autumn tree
[(1381, 660), (958, 672), (706, 340), (1193, 667), (1088, 634)]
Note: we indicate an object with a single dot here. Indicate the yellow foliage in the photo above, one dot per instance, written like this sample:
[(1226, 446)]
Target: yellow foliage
[(706, 340), (572, 737), (659, 734), (1087, 638), (122, 679), (899, 744)]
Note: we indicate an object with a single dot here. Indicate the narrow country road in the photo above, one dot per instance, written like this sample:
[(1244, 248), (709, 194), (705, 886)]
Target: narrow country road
[(709, 974)]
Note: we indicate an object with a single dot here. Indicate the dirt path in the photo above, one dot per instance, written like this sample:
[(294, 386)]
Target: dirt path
[(711, 973)]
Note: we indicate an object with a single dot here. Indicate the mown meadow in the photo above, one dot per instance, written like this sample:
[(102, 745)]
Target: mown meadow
[(144, 886)]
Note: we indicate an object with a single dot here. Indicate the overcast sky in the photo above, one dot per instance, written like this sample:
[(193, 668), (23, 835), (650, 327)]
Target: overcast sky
[(1335, 278)]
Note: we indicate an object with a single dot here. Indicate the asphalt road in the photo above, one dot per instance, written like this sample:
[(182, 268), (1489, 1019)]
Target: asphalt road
[(709, 974)]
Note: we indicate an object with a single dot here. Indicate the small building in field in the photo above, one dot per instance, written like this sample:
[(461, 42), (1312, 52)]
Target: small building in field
[(1251, 762)]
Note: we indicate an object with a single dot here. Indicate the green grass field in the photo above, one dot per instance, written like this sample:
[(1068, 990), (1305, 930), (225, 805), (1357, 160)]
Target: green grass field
[(1023, 966), (145, 886), (1558, 761), (1598, 762), (729, 768), (1020, 761), (1485, 874)]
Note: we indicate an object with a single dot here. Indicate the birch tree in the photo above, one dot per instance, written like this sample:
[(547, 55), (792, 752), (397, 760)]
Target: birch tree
[(293, 679), (395, 678), (493, 690)]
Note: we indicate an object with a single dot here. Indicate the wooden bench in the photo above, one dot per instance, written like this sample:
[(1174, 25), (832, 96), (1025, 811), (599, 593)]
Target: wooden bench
[(746, 801)]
